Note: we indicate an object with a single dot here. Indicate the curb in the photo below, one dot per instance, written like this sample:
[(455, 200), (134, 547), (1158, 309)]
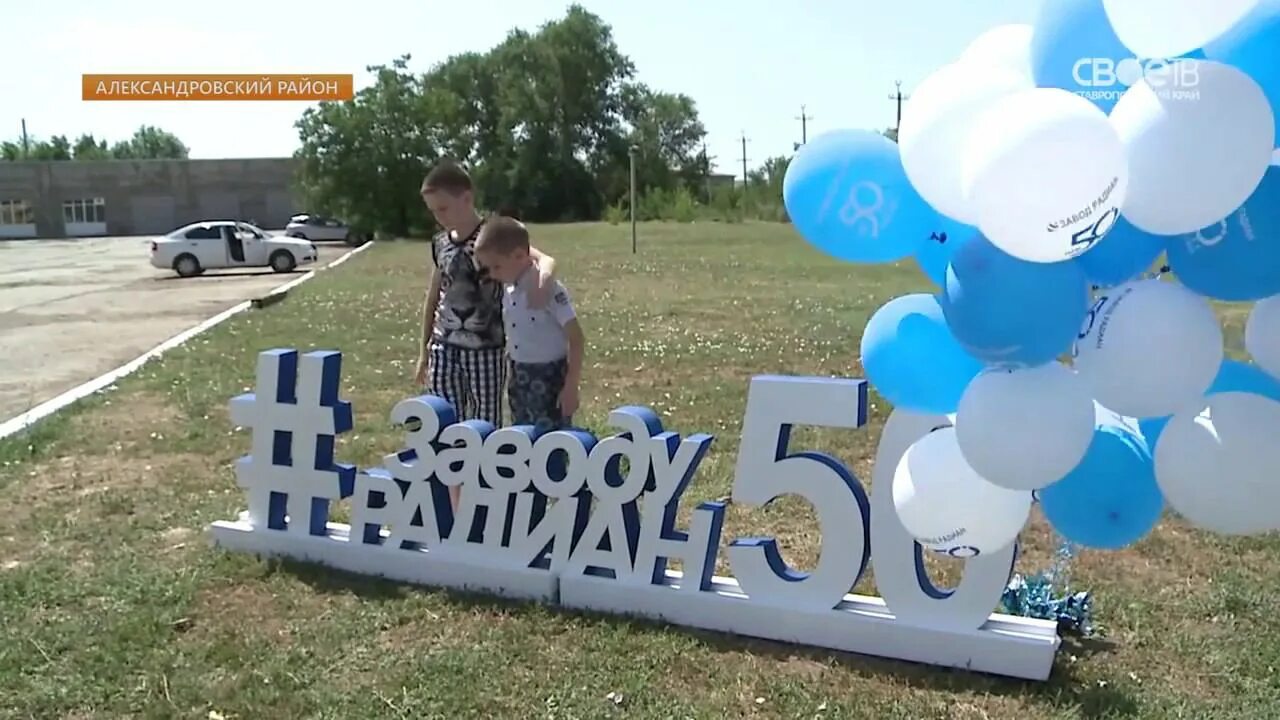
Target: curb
[(17, 424)]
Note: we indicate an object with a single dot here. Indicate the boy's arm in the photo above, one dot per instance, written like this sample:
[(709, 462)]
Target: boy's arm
[(546, 275), (428, 324), (546, 263), (569, 398), (577, 343)]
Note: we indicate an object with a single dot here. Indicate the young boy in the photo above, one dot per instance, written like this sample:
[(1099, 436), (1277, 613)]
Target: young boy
[(462, 340), (462, 358), (545, 344)]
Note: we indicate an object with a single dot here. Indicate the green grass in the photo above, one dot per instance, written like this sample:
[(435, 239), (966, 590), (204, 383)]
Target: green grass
[(113, 605)]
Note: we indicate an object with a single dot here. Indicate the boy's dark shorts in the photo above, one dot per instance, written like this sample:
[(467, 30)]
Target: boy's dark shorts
[(533, 390)]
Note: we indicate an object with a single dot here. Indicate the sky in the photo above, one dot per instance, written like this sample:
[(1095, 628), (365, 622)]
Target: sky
[(750, 65)]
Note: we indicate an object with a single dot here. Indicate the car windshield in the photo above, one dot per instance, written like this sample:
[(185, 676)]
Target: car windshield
[(254, 229)]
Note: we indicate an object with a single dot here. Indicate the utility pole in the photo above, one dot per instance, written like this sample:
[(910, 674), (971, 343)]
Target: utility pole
[(706, 169), (26, 148), (898, 97), (744, 159), (631, 151), (804, 126)]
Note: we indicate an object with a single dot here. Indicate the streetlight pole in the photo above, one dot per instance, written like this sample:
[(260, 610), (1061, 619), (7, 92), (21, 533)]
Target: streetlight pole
[(631, 152)]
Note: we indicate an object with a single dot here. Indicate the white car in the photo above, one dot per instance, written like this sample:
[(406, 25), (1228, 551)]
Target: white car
[(216, 244), (321, 227)]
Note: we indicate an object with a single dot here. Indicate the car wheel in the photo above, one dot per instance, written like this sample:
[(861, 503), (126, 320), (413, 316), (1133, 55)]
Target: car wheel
[(187, 265), (282, 261)]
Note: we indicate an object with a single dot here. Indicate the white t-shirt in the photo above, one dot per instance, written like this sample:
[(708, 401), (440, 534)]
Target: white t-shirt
[(536, 335)]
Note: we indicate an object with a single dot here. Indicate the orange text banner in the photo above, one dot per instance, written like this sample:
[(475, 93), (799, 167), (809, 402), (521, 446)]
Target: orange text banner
[(217, 87)]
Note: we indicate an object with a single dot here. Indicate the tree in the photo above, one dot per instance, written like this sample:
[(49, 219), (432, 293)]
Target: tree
[(544, 121), (150, 143), (88, 148), (363, 158), (147, 143)]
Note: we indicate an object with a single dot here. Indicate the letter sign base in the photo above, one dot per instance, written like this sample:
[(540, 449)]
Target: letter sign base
[(439, 567), (555, 519), (1005, 645)]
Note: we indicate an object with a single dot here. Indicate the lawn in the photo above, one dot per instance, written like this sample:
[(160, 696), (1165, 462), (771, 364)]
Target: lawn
[(112, 603)]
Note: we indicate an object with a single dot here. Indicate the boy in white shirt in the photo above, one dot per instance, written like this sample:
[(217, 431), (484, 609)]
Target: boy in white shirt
[(545, 345)]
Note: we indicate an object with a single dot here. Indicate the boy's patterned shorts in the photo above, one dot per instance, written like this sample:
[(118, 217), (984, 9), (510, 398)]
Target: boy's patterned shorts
[(534, 393)]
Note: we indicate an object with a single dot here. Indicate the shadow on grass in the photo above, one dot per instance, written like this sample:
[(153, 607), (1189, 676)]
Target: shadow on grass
[(1063, 690)]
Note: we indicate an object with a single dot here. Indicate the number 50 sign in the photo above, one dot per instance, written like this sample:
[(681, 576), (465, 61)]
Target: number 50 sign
[(556, 518)]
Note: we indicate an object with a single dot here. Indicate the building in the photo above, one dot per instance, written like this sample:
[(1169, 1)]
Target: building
[(73, 198)]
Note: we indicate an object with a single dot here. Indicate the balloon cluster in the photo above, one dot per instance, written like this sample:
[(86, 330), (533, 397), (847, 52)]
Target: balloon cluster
[(1037, 180)]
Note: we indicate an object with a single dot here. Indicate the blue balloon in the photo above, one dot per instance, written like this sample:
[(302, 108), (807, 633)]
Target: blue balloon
[(1253, 46), (1123, 254), (935, 254), (1111, 499), (847, 194), (1073, 47), (1012, 312), (1238, 259), (1233, 376), (912, 359)]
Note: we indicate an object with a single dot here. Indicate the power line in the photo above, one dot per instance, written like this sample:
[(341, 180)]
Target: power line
[(898, 97)]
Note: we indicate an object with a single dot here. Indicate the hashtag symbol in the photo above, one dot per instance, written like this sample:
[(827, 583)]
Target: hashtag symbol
[(290, 475)]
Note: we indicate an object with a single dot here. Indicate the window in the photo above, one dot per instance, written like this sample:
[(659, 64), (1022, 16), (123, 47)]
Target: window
[(85, 210), (249, 231), (204, 233), (16, 212)]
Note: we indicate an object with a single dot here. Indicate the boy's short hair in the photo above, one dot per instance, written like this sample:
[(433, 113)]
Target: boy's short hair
[(503, 236), (448, 176)]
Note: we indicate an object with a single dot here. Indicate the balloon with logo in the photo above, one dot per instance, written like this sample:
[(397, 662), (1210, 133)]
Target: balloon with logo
[(934, 255), (1149, 348), (1168, 28), (1123, 254), (947, 507), (1238, 258), (846, 193), (1197, 147), (1216, 464), (912, 359), (1075, 48), (1233, 376), (1006, 47), (936, 125), (1262, 335), (1009, 311), (1045, 175), (1023, 429), (1110, 499)]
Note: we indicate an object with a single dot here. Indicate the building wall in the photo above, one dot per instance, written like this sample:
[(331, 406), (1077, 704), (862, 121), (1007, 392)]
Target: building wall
[(147, 197)]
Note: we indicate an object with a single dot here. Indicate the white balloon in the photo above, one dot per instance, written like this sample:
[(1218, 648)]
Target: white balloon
[(1149, 348), (1004, 46), (1027, 428), (1198, 137), (1262, 333), (936, 125), (1170, 28), (1045, 174), (1218, 464), (948, 507)]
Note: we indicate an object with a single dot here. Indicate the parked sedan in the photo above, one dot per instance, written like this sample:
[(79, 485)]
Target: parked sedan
[(214, 244), (319, 227)]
